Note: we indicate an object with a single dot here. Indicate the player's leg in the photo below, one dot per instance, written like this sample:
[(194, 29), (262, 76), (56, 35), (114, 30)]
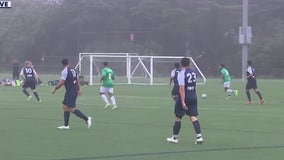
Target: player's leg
[(112, 98), (103, 92), (192, 112), (25, 86), (33, 88), (66, 116), (257, 91), (179, 113), (248, 87)]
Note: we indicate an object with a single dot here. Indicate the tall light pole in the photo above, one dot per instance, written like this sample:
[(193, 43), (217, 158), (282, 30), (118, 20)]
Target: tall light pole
[(245, 37)]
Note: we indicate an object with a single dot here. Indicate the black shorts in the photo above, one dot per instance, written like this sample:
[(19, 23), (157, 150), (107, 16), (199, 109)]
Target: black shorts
[(70, 100), (251, 84), (191, 103), (175, 91), (29, 84)]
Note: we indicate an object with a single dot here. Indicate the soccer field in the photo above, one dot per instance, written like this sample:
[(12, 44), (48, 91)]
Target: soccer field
[(137, 130)]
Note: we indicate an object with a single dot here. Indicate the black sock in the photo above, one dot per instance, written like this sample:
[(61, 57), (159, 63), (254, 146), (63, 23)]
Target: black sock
[(66, 118), (176, 127), (26, 92), (259, 95), (36, 95), (196, 126), (80, 114), (248, 95)]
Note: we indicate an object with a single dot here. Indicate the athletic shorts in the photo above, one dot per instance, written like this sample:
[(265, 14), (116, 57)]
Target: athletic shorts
[(191, 103), (106, 90), (29, 84), (227, 84), (251, 84), (70, 100)]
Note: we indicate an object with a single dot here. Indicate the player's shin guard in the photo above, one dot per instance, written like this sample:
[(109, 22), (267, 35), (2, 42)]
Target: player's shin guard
[(36, 95), (176, 128), (78, 113), (248, 95), (259, 95), (196, 126), (113, 101), (104, 98), (26, 92), (66, 118)]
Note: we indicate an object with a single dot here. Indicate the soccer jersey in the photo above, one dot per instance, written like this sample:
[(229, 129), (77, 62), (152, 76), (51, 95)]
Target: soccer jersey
[(174, 75), (188, 78), (29, 73), (250, 73), (70, 76), (108, 77), (226, 75)]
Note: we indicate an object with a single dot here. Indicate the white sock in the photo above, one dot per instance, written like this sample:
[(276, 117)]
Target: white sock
[(113, 102), (104, 98), (230, 91)]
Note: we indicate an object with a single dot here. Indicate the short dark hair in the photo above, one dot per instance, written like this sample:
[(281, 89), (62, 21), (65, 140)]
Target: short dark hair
[(222, 65), (64, 61), (105, 64), (184, 62), (249, 62), (177, 65)]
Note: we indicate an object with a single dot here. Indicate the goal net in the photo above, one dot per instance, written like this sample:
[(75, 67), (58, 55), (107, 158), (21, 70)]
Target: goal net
[(130, 68)]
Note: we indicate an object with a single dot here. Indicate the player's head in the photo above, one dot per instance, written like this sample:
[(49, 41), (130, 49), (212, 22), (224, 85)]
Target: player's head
[(176, 65), (105, 64), (222, 66), (184, 62), (65, 62), (28, 63), (249, 63)]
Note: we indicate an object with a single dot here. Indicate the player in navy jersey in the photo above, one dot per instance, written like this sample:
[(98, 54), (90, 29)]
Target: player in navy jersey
[(173, 78), (187, 102), (30, 78), (69, 78), (251, 83)]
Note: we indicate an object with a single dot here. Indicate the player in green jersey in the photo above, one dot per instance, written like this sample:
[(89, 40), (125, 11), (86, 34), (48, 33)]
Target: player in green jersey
[(106, 90), (226, 78)]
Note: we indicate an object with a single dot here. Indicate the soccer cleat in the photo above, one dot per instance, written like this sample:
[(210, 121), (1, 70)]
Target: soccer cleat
[(172, 140), (236, 92), (199, 140), (63, 127), (262, 101), (29, 97), (249, 102), (89, 122), (39, 101), (228, 97), (107, 105), (114, 107)]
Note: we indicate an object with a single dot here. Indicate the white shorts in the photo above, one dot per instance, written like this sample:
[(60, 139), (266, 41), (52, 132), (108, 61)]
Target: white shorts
[(227, 84), (106, 90)]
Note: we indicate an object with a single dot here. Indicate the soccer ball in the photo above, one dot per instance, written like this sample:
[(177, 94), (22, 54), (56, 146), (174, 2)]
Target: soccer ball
[(203, 95)]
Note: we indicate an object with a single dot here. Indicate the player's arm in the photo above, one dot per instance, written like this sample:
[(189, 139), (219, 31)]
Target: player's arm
[(78, 87), (182, 89), (22, 74), (171, 77), (249, 70), (61, 81), (103, 75), (36, 76)]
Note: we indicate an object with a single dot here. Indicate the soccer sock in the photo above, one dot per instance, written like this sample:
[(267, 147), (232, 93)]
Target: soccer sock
[(230, 91), (112, 99), (26, 92), (80, 114), (248, 95), (196, 126), (36, 95), (104, 98), (259, 95), (66, 118), (176, 128)]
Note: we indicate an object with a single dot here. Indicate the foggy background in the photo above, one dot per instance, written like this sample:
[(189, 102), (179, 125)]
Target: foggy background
[(45, 31)]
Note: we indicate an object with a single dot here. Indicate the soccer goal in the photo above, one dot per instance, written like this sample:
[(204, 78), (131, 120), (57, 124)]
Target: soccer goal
[(130, 68)]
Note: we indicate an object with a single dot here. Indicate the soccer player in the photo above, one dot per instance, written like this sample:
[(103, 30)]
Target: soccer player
[(187, 102), (69, 78), (226, 78), (106, 89), (173, 78), (16, 69), (251, 83), (30, 77)]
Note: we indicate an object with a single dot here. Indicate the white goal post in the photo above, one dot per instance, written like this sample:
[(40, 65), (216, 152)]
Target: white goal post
[(130, 68)]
